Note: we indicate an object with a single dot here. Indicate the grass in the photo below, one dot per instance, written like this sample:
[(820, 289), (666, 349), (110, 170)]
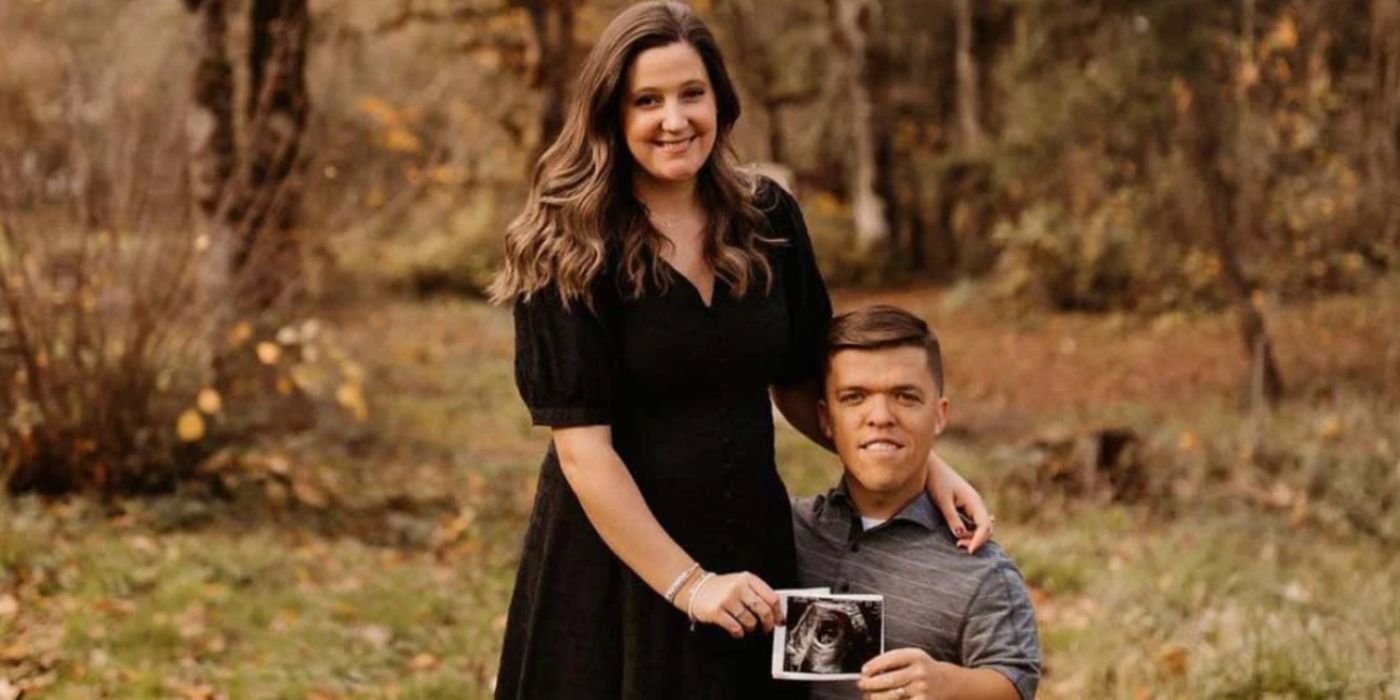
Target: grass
[(1262, 562)]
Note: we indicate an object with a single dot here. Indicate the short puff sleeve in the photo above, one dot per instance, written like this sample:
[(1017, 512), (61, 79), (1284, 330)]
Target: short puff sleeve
[(808, 304), (565, 361)]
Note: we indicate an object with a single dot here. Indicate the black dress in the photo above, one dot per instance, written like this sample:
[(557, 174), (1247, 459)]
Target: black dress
[(685, 389)]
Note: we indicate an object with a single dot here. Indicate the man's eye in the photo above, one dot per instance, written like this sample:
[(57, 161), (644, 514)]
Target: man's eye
[(909, 398), (849, 399)]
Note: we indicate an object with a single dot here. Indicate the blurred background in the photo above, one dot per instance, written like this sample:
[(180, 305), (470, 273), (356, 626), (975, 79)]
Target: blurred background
[(259, 432)]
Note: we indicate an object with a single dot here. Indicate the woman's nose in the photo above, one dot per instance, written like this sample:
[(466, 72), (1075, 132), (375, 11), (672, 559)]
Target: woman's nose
[(675, 118)]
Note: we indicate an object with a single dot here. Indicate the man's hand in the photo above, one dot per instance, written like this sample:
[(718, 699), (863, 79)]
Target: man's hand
[(904, 674), (911, 674)]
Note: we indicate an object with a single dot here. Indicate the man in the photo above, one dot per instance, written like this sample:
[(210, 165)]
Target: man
[(956, 625)]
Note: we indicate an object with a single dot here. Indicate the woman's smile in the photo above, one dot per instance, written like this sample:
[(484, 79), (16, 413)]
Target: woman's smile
[(672, 147)]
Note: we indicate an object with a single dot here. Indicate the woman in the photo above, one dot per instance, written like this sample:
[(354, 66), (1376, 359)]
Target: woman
[(659, 293)]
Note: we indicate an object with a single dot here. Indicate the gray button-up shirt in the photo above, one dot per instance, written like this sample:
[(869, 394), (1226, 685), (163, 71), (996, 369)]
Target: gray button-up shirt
[(970, 610)]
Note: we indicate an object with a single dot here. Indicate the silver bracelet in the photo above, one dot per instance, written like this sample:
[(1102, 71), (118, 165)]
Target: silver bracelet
[(679, 583), (690, 605)]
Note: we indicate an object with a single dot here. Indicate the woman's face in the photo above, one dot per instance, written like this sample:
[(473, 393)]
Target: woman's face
[(669, 114)]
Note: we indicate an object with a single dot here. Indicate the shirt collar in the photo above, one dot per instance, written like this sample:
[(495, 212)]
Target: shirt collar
[(919, 511)]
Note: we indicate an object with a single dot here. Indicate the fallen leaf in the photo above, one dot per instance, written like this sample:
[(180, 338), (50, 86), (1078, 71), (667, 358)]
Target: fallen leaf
[(268, 353), (307, 493), (19, 651), (209, 401), (190, 427), (352, 398), (1330, 428), (9, 605), (239, 334), (1175, 659), (423, 662), (377, 636)]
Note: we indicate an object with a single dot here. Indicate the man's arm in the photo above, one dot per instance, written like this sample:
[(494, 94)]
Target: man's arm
[(911, 674)]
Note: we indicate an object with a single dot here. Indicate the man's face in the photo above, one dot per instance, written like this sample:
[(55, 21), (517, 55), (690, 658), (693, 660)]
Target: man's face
[(883, 411)]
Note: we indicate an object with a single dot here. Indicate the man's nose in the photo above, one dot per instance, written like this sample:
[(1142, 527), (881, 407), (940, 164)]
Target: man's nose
[(879, 412)]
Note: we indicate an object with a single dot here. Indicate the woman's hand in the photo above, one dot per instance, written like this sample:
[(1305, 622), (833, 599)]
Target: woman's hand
[(740, 603), (951, 493)]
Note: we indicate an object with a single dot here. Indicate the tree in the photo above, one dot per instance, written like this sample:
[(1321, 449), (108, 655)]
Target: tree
[(552, 27), (251, 199), (1217, 148), (1384, 118), (969, 126), (851, 28), (209, 126)]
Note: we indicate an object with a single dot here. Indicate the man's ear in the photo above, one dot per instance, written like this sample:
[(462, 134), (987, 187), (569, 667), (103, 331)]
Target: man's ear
[(941, 421), (824, 418)]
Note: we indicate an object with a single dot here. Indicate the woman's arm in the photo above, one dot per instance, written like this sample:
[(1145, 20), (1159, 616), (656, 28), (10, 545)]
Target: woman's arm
[(610, 498), (950, 491)]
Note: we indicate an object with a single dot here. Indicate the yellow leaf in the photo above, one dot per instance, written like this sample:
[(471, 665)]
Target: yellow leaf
[(1187, 441), (19, 651), (239, 334), (1331, 427), (307, 493), (1176, 659), (402, 140), (209, 401), (1285, 34), (448, 175), (379, 110), (423, 662), (268, 353), (190, 427), (352, 397), (9, 606)]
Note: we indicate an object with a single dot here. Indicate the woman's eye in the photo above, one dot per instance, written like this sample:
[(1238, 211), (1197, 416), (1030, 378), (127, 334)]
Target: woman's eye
[(694, 94), (645, 100)]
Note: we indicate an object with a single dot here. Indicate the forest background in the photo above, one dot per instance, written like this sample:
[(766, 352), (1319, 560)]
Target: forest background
[(259, 431)]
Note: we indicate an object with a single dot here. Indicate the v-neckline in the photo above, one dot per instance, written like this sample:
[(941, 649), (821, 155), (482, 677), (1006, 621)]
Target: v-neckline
[(714, 286)]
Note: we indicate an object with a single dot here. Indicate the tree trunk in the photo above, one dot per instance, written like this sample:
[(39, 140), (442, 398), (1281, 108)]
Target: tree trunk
[(213, 158), (209, 126), (1384, 119), (552, 24), (267, 254), (969, 126), (757, 71), (868, 208), (1228, 215)]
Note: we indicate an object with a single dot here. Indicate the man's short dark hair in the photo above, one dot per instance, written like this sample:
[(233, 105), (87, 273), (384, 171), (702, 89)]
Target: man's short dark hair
[(883, 326)]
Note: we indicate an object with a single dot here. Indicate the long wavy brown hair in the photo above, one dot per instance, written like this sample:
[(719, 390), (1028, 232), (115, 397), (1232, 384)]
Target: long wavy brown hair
[(581, 204)]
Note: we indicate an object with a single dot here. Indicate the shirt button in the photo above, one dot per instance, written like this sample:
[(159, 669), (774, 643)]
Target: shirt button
[(855, 546), (843, 587)]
